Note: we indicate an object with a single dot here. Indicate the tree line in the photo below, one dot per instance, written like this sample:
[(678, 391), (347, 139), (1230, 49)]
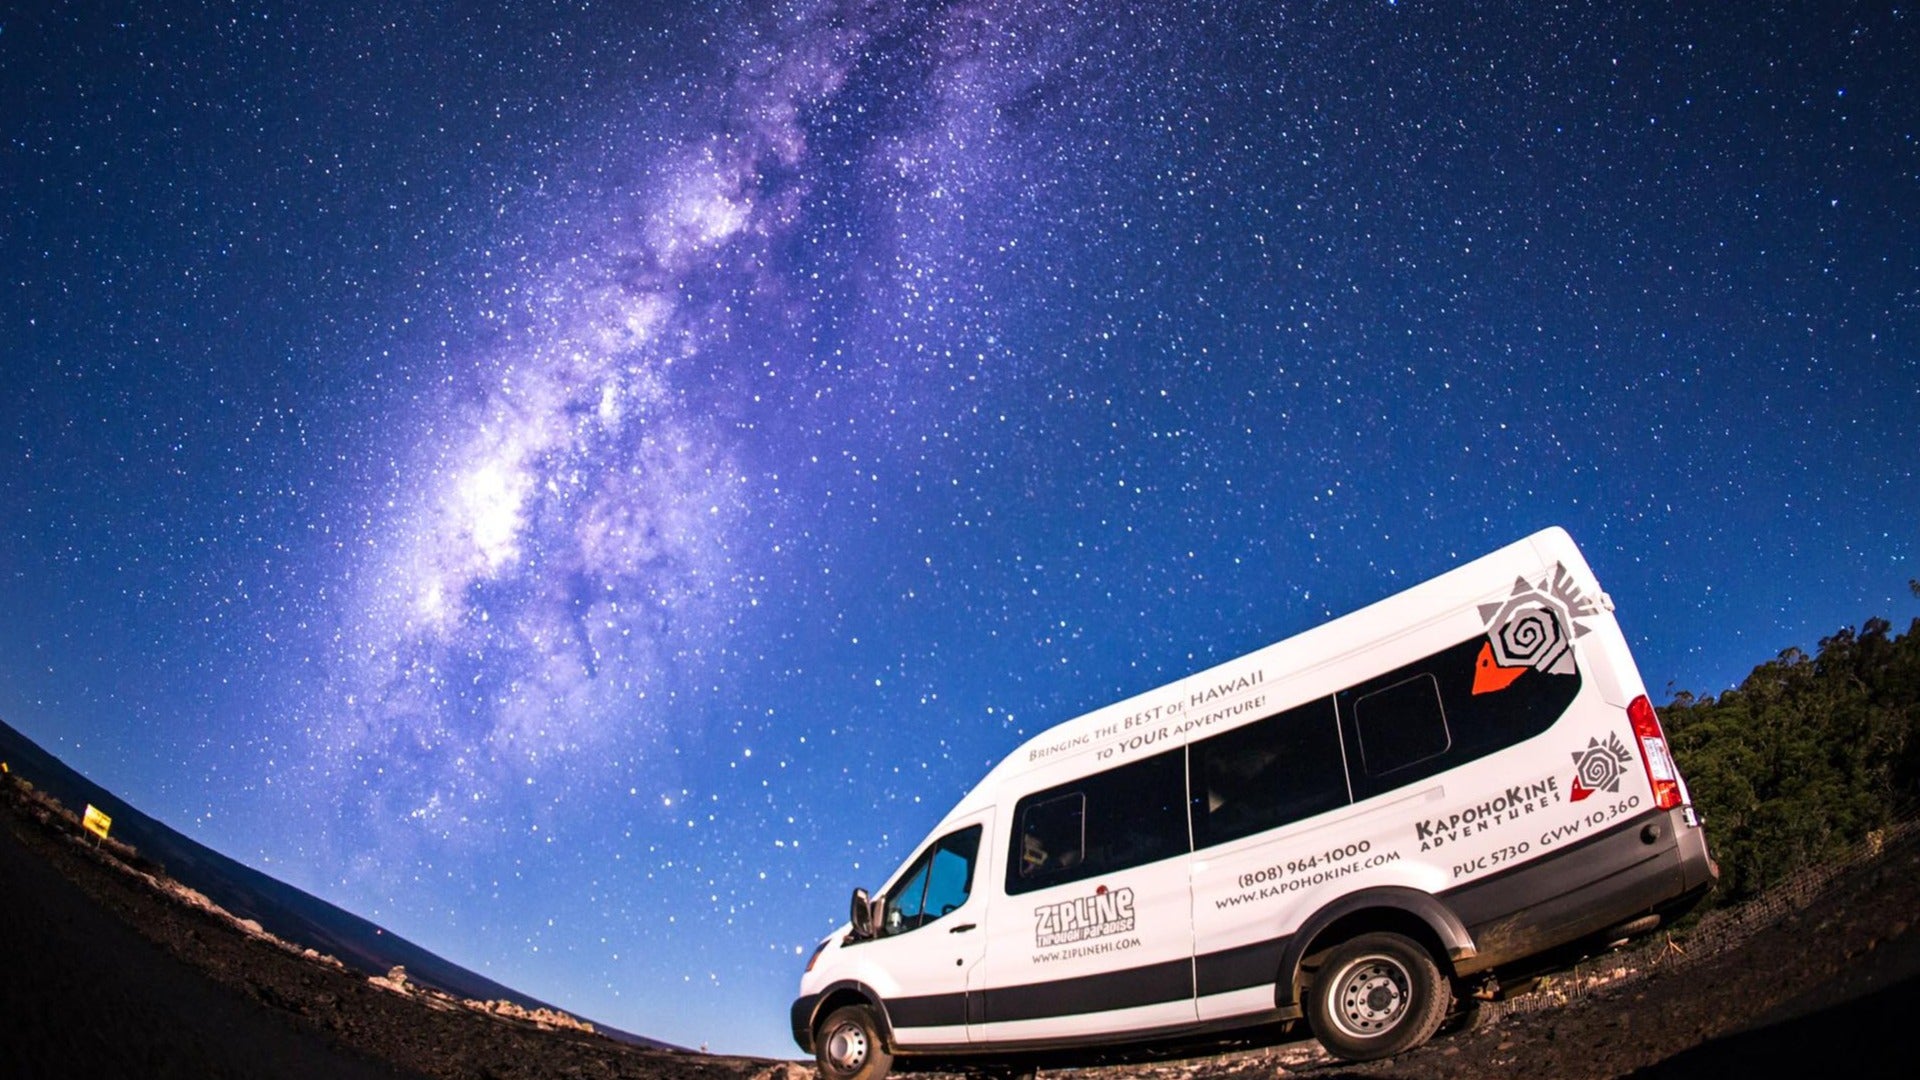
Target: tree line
[(1808, 756)]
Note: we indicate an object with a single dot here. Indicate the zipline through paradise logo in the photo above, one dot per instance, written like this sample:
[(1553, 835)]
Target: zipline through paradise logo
[(1105, 912)]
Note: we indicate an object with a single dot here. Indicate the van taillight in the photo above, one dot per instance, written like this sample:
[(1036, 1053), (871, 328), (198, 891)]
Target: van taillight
[(1653, 751)]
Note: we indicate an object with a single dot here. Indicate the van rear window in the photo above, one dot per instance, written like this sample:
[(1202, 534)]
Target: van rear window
[(1416, 721), (1401, 725)]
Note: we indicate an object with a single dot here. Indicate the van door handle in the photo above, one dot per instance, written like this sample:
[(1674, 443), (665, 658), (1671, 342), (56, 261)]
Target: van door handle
[(963, 928)]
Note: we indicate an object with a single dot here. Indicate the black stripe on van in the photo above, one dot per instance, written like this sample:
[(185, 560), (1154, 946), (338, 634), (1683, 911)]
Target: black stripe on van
[(1240, 967), (931, 1010), (1151, 984)]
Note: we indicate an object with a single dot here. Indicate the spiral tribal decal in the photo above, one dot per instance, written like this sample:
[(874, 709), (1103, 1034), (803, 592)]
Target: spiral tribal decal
[(1532, 630), (1532, 637), (1599, 767)]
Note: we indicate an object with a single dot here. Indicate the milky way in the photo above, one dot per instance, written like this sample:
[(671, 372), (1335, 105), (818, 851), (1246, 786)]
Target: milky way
[(571, 543), (585, 488)]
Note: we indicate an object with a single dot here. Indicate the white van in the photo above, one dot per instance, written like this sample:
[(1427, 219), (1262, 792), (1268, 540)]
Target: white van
[(1349, 827)]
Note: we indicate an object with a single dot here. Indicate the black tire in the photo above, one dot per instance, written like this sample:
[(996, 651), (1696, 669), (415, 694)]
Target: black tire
[(1461, 1016), (849, 1046), (1376, 996)]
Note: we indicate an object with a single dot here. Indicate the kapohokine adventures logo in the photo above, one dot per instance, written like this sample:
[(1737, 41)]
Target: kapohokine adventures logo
[(1532, 630), (1514, 803), (1600, 766), (1102, 913)]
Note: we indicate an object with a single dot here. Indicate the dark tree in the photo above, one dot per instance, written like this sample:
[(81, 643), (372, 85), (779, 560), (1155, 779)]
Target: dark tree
[(1808, 755)]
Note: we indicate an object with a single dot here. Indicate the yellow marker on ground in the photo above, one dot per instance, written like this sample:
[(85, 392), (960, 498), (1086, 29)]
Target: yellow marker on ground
[(96, 822)]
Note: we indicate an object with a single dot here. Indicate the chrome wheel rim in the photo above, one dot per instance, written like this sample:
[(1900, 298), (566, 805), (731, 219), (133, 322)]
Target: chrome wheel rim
[(1370, 996), (847, 1047)]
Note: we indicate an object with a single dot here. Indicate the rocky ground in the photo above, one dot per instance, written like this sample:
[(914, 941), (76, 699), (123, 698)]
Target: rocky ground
[(1823, 975), (109, 970)]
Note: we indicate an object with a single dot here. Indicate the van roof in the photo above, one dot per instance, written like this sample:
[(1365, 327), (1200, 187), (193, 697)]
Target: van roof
[(1288, 666)]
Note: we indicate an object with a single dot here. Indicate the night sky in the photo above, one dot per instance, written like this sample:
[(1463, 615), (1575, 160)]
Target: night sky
[(584, 485)]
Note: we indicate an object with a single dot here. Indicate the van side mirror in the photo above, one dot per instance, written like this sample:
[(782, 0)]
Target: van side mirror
[(860, 914)]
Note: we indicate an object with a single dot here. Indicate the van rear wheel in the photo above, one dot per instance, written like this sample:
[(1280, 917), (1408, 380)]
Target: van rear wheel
[(849, 1046), (1376, 996)]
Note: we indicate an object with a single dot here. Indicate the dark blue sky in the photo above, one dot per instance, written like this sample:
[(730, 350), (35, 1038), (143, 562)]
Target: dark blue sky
[(585, 487)]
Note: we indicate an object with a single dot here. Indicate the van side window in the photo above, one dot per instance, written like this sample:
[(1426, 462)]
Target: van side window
[(1100, 824), (1266, 774), (1405, 725), (1401, 725), (937, 883)]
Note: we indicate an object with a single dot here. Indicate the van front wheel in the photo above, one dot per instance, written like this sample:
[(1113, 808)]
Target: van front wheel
[(849, 1046), (1376, 996)]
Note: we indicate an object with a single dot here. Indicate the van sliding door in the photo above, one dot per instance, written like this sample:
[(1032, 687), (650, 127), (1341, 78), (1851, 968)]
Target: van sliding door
[(1094, 932)]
